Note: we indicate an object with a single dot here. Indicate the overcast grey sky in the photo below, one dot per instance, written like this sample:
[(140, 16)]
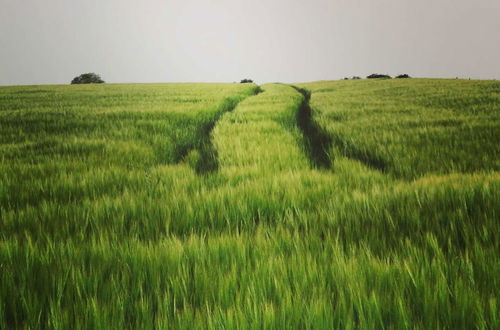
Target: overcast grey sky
[(52, 41)]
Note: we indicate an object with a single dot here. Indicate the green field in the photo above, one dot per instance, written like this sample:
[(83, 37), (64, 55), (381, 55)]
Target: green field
[(336, 204)]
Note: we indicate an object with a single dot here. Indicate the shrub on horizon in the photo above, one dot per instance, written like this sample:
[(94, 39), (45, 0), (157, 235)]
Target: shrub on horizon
[(246, 81), (87, 78), (378, 76)]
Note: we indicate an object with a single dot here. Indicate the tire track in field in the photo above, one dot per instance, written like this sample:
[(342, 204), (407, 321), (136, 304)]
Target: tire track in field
[(261, 135), (207, 158), (317, 142)]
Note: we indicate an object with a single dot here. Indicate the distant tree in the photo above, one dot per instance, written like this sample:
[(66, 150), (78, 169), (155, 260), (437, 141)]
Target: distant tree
[(402, 76), (378, 76), (87, 78), (246, 81), (356, 78), (345, 78)]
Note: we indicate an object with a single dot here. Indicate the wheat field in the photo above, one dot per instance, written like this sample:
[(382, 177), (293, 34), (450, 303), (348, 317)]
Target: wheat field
[(335, 204)]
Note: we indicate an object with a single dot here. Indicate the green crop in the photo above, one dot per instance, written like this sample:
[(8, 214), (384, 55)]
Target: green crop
[(412, 128), (238, 206)]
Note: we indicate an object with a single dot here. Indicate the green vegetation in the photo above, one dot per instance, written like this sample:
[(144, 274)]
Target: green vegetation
[(87, 78), (329, 205), (378, 76), (412, 128)]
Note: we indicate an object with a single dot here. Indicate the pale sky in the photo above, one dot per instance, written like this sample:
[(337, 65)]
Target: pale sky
[(52, 41)]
